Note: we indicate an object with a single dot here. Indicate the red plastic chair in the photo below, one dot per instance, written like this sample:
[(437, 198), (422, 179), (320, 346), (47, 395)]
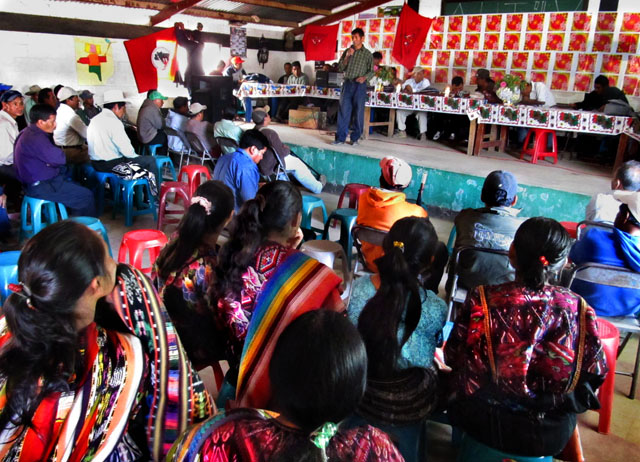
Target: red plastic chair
[(354, 190), (610, 338), (573, 450), (134, 243), (168, 217), (539, 149), (193, 175), (571, 227)]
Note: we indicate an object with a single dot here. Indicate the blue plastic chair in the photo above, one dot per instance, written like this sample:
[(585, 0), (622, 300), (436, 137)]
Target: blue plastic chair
[(129, 190), (8, 272), (309, 203), (31, 215), (96, 225), (161, 163), (347, 218), (97, 182), (150, 149)]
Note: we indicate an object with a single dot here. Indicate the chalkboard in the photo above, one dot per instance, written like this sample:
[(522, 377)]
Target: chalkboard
[(512, 6)]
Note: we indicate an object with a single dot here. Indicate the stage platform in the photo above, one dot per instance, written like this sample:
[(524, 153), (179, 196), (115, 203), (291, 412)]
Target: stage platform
[(559, 191)]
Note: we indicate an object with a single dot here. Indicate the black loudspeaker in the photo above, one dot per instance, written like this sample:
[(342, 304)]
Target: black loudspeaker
[(213, 91)]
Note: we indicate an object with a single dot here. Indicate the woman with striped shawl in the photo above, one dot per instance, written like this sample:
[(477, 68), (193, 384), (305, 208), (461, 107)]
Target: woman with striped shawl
[(90, 365)]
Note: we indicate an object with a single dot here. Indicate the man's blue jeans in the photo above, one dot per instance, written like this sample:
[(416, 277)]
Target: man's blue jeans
[(352, 99)]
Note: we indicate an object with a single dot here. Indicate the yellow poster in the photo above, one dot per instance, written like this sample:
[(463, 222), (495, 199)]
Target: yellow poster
[(94, 60)]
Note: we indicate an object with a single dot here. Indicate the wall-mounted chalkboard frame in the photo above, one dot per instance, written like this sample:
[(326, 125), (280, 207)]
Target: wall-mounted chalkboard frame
[(456, 7)]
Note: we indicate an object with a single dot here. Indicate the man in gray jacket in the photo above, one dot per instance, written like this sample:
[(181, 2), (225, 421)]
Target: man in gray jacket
[(151, 122)]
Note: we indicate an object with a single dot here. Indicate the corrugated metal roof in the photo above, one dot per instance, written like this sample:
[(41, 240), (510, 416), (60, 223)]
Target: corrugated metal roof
[(250, 10)]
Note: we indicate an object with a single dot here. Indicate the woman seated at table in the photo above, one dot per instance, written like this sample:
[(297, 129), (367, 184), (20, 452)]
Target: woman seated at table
[(318, 375), (184, 272), (83, 389), (264, 238), (525, 355), (401, 324)]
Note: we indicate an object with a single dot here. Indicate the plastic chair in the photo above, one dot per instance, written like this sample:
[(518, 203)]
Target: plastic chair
[(309, 204), (354, 190), (225, 142), (193, 174), (198, 148), (96, 225), (363, 234), (127, 190), (452, 239), (163, 162), (610, 339), (98, 181), (150, 149), (168, 217), (186, 145), (326, 252), (539, 149), (571, 227), (31, 215), (134, 243), (8, 272), (347, 219)]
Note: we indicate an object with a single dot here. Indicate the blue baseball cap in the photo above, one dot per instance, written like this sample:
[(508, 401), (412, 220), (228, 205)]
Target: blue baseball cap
[(9, 96), (499, 188)]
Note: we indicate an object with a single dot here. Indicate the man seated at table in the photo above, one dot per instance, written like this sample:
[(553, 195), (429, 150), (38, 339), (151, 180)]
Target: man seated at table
[(452, 126), (621, 248), (604, 207), (269, 162), (297, 77), (492, 226), (226, 128), (71, 132), (235, 70), (239, 169), (602, 93), (415, 84), (486, 86), (287, 72), (40, 165), (534, 94)]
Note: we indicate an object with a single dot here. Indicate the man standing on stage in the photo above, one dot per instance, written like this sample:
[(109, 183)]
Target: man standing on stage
[(357, 64)]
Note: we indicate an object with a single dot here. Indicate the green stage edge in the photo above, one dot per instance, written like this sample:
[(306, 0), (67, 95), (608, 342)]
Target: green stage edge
[(445, 190)]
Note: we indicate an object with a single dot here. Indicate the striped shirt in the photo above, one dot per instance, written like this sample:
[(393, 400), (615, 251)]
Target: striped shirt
[(360, 64)]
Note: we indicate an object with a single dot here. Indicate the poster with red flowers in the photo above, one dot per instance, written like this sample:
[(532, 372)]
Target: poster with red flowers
[(563, 62), (491, 41), (537, 76), (462, 73), (631, 86), (474, 23), (581, 21), (555, 41), (442, 76), (454, 41), (532, 41), (560, 81), (472, 42), (613, 80), (494, 23), (362, 24), (480, 59), (633, 66), (582, 82), (347, 27), (520, 60), (522, 75), (387, 41), (586, 62), (426, 58), (541, 61), (631, 22), (514, 22), (438, 24), (374, 26), (602, 42), (374, 41), (627, 43), (497, 75), (611, 64), (535, 21), (460, 59), (606, 22), (511, 41), (390, 25), (578, 41), (558, 22), (499, 60), (455, 23), (435, 41), (443, 58), (345, 41)]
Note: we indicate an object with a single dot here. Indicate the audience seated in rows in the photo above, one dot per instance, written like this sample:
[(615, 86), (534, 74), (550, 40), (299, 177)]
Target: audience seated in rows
[(12, 107), (202, 129), (493, 227), (87, 347), (318, 374), (239, 169), (71, 132), (262, 246), (151, 123), (48, 97), (88, 110), (184, 272), (225, 128), (40, 165), (401, 324), (604, 206), (618, 247), (269, 163), (32, 99), (177, 119), (525, 355)]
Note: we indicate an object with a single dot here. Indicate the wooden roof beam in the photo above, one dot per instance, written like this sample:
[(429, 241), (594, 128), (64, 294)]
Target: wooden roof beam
[(172, 9), (286, 6), (367, 5)]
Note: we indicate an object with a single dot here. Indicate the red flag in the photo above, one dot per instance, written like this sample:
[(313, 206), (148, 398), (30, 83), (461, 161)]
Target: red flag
[(319, 42), (148, 58), (410, 36)]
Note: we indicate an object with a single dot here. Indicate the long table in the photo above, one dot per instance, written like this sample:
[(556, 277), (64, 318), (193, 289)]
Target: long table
[(480, 113)]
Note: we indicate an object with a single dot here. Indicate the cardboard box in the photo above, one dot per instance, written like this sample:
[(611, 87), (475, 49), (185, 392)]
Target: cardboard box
[(307, 117)]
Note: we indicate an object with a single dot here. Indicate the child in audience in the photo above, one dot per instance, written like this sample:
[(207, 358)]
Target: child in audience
[(184, 272), (100, 390), (525, 355), (318, 374)]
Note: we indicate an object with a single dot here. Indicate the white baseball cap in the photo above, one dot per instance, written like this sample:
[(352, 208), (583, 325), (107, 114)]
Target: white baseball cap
[(197, 108), (65, 93)]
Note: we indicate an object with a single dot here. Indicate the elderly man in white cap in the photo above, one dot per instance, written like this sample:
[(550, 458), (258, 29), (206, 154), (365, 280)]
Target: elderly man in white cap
[(202, 129), (71, 132), (415, 84), (32, 93), (109, 144)]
